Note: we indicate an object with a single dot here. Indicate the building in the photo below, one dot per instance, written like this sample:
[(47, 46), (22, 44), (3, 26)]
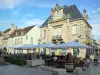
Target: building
[(1, 37), (18, 36), (66, 24), (27, 35), (5, 35)]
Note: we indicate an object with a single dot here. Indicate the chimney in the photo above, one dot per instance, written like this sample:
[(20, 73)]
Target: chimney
[(85, 14), (57, 5), (12, 26)]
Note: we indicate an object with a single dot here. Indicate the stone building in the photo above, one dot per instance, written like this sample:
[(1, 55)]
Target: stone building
[(5, 35), (65, 24)]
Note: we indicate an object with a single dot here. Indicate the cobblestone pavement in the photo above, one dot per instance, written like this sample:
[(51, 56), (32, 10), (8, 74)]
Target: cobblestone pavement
[(6, 69), (94, 70)]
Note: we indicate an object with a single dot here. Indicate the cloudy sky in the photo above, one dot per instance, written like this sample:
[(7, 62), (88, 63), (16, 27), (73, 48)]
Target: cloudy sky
[(29, 12)]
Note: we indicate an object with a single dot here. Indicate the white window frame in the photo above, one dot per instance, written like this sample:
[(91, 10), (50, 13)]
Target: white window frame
[(26, 37), (31, 40)]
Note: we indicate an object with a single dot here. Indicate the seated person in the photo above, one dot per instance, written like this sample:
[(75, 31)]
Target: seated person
[(54, 60), (69, 58)]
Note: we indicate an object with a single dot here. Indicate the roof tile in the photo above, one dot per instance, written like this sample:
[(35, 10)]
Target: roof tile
[(71, 10)]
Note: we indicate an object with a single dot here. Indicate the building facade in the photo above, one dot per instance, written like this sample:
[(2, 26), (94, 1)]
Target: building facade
[(5, 35), (66, 24), (27, 35), (17, 36)]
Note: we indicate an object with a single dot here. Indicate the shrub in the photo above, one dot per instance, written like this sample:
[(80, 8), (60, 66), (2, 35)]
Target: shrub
[(15, 60)]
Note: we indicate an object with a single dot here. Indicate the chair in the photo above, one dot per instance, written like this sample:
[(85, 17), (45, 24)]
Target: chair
[(96, 63)]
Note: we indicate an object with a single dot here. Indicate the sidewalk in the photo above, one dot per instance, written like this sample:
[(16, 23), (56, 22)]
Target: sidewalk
[(94, 70), (10, 69)]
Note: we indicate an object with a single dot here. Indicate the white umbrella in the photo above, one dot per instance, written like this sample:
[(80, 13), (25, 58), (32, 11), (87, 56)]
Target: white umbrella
[(71, 45), (27, 46), (10, 46), (47, 45), (17, 46)]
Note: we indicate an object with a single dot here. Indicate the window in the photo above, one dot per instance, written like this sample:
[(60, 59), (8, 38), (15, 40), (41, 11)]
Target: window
[(26, 37), (57, 31), (44, 34), (21, 41), (15, 41), (21, 33), (18, 40), (31, 40), (74, 29)]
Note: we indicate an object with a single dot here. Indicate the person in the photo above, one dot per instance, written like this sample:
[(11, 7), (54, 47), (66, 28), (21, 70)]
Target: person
[(54, 60), (69, 57), (87, 63), (42, 54)]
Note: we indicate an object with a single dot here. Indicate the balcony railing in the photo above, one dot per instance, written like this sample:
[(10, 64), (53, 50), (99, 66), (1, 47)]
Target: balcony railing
[(57, 37)]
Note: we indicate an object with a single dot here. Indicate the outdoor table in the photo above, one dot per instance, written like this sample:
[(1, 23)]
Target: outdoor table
[(78, 63), (61, 63), (48, 62)]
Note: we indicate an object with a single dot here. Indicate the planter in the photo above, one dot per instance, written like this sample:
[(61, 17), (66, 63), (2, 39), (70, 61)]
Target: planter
[(69, 67), (35, 62)]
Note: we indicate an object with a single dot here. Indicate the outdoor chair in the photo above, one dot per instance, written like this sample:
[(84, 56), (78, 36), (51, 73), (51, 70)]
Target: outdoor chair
[(96, 63), (86, 64)]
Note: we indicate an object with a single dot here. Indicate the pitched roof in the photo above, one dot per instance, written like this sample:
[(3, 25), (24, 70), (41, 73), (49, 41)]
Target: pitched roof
[(20, 31), (7, 30), (17, 31), (72, 11), (26, 29), (67, 10), (46, 22)]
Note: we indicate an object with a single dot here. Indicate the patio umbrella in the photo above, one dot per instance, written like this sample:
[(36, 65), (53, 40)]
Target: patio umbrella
[(72, 44), (27, 46), (47, 45), (10, 46)]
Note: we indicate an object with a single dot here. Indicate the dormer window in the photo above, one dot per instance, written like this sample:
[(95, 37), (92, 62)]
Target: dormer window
[(16, 34), (58, 14), (21, 33)]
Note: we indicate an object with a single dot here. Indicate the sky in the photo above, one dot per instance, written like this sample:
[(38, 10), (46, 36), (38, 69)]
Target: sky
[(24, 13)]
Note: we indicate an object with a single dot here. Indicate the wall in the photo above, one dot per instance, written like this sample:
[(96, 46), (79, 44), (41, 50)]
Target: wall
[(67, 32), (34, 32)]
